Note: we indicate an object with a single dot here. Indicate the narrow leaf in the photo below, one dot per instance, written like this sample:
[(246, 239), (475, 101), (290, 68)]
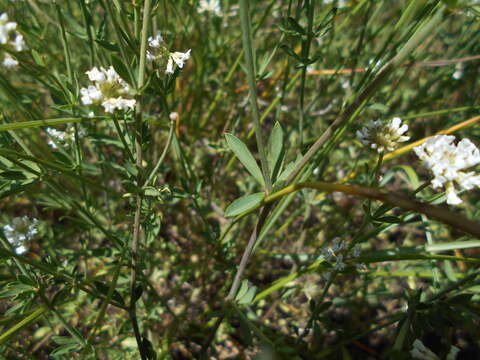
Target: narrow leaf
[(47, 122), (275, 151), (244, 203), (245, 156)]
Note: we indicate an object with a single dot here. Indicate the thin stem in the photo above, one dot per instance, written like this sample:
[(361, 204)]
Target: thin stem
[(66, 49), (90, 29), (248, 48), (122, 138), (305, 54), (246, 254), (164, 153), (139, 197)]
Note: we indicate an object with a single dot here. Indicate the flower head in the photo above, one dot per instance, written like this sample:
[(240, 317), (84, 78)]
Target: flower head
[(448, 163), (339, 250), (108, 89), (383, 136), (156, 48), (20, 231), (212, 6), (178, 58), (10, 39), (159, 54), (60, 137)]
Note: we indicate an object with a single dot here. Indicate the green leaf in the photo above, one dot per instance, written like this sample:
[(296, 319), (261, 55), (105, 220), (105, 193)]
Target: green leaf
[(248, 297), (245, 156), (47, 122), (243, 289), (12, 175), (290, 52), (103, 288), (294, 26), (120, 68), (244, 203), (275, 151), (402, 333), (65, 349), (379, 107), (389, 219), (326, 24), (411, 174), (37, 58), (64, 340)]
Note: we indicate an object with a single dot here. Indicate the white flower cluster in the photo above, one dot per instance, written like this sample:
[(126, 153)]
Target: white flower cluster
[(11, 39), (58, 136), (448, 163), (109, 90), (212, 6), (420, 351), (338, 251), (19, 232), (383, 136), (158, 52)]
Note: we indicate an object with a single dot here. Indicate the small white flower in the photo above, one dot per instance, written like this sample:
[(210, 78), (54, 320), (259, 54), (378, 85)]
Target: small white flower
[(212, 6), (345, 84), (155, 41), (96, 75), (9, 62), (157, 49), (448, 161), (112, 104), (338, 3), (20, 231), (178, 58), (458, 74), (57, 135), (173, 116), (383, 136), (91, 95), (19, 43)]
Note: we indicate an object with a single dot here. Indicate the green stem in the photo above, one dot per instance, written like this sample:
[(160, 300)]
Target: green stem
[(66, 48), (305, 54), (139, 198), (251, 75), (30, 319), (162, 156)]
